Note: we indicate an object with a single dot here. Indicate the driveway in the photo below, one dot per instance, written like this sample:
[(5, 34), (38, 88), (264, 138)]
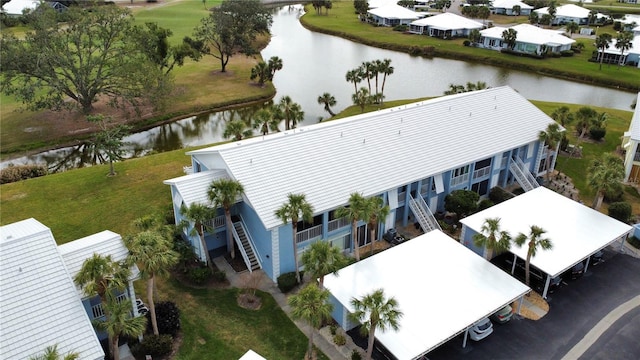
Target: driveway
[(575, 308)]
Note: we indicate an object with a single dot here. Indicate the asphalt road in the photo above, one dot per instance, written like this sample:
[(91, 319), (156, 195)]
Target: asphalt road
[(574, 309)]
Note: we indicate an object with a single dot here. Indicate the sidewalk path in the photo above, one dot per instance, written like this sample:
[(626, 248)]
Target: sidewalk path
[(322, 342)]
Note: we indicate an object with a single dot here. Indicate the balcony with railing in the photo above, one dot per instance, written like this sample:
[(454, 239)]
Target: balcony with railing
[(216, 222), (636, 157), (97, 311), (478, 173), (402, 196), (338, 223), (308, 234), (460, 179)]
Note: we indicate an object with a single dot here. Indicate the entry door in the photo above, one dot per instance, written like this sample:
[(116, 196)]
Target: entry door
[(634, 177)]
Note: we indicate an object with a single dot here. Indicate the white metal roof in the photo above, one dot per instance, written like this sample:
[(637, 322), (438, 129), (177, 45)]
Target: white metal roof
[(576, 231), (193, 187), (441, 287), (39, 305), (448, 21), (374, 152), (251, 355), (104, 243), (635, 47), (509, 4), (379, 3), (634, 128), (530, 34), (394, 11), (15, 7), (569, 10)]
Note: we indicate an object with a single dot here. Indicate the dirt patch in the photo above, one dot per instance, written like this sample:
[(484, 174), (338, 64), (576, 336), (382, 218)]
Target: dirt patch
[(211, 283), (249, 301), (237, 264)]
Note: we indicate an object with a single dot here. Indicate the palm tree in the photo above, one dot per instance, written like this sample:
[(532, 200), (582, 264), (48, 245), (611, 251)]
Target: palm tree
[(602, 43), (474, 36), (375, 311), (604, 173), (153, 254), (624, 42), (293, 210), (265, 121), (375, 211), (310, 305), (585, 117), (562, 115), (386, 69), (321, 259), (368, 69), (291, 111), (236, 129), (454, 89), (199, 214), (535, 242), (102, 275), (552, 10), (51, 353), (572, 27), (275, 64), (492, 238), (516, 9), (120, 323), (355, 212), (355, 76), (510, 36), (328, 101), (361, 98), (297, 115), (551, 137), (223, 193), (260, 71)]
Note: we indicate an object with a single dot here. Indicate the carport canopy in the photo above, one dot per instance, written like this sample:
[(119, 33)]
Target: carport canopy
[(441, 287), (576, 231)]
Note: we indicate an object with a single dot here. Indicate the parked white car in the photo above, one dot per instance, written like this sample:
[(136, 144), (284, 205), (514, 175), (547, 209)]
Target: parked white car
[(481, 329)]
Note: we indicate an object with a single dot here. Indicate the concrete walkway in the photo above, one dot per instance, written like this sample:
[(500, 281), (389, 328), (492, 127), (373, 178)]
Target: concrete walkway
[(322, 341), (532, 307), (602, 326)]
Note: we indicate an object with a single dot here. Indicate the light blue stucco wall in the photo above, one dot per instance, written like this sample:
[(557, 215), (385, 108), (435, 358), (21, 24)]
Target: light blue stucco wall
[(467, 241)]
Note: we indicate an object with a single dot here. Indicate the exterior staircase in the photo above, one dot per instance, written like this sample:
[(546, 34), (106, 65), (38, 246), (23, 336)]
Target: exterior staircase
[(423, 214), (522, 175), (245, 246)]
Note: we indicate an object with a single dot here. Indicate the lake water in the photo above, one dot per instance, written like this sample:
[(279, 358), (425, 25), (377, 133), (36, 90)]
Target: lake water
[(315, 63)]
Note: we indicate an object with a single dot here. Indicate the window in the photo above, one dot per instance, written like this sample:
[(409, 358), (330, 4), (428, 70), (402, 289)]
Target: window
[(460, 171), (460, 175)]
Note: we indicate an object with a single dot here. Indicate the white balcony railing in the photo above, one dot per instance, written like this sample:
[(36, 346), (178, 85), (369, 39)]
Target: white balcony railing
[(460, 179), (308, 234), (338, 223), (216, 222), (481, 172), (97, 311)]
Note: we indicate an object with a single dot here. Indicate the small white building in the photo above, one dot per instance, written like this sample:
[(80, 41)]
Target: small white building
[(569, 13), (392, 15), (445, 25), (529, 39), (630, 57), (505, 7)]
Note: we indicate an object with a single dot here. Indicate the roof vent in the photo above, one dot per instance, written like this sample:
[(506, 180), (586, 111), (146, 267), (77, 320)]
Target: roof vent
[(495, 107), (398, 132), (340, 133), (363, 140), (400, 120), (469, 114), (449, 108), (250, 161)]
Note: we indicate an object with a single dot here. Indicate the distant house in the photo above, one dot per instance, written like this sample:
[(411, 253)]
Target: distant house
[(530, 39), (631, 146), (39, 306), (104, 243), (613, 55), (18, 7), (505, 7), (570, 13), (631, 22), (445, 25), (392, 15)]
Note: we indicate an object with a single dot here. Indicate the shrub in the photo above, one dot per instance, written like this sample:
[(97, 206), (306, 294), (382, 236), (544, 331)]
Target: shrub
[(219, 275), (168, 316), (485, 204), (466, 43), (13, 173), (614, 194), (617, 25), (498, 195), (620, 210), (154, 345), (333, 328), (461, 202), (401, 28), (415, 51), (199, 275), (597, 133), (634, 241), (339, 339), (566, 53), (287, 281), (355, 355)]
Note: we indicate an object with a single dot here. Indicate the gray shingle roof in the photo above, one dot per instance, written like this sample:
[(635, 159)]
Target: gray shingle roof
[(374, 152), (39, 306)]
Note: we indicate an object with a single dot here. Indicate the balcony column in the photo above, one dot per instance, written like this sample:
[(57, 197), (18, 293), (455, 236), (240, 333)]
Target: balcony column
[(325, 225)]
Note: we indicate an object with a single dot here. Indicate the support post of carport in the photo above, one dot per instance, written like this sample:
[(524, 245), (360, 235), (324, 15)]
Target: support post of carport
[(513, 267), (586, 266), (546, 286), (520, 304), (464, 340)]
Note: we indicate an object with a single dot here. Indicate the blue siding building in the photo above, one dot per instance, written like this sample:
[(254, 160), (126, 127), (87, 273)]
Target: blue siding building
[(411, 156)]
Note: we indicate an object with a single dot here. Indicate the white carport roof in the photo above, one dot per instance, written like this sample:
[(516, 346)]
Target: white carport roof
[(576, 231), (441, 287), (569, 10), (394, 11), (16, 7), (530, 34), (448, 21)]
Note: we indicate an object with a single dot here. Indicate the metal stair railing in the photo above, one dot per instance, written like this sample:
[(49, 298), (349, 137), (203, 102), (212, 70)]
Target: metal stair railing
[(532, 180), (423, 214), (244, 249)]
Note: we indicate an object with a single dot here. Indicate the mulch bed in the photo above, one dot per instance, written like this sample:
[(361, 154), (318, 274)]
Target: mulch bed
[(237, 264)]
